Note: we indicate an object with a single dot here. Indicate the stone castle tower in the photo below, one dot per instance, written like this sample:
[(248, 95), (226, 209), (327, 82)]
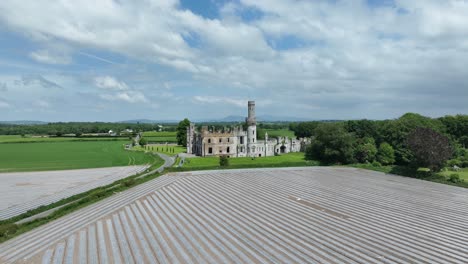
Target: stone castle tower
[(251, 130)]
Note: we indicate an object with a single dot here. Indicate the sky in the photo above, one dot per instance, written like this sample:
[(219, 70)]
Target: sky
[(113, 60)]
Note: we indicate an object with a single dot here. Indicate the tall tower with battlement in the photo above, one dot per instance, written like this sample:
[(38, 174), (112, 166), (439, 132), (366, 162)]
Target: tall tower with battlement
[(251, 130)]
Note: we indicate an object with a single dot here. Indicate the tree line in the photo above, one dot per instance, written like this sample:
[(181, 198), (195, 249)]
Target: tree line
[(77, 128), (411, 140)]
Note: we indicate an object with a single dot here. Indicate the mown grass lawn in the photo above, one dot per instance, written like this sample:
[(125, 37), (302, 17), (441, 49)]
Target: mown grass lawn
[(159, 134), (285, 160), (463, 173), (279, 133), (170, 150), (68, 155), (160, 137)]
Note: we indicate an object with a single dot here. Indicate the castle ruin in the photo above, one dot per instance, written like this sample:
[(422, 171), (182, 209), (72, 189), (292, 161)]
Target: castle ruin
[(238, 142)]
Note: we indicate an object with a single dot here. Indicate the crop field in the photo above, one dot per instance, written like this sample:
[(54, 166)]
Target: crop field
[(159, 134), (160, 137), (282, 215), (279, 133), (31, 139), (285, 160), (67, 155)]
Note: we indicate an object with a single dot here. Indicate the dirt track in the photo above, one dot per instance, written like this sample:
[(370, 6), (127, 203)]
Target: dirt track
[(294, 215)]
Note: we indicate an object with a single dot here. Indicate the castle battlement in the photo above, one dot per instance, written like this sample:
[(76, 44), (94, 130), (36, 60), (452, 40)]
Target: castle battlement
[(238, 142)]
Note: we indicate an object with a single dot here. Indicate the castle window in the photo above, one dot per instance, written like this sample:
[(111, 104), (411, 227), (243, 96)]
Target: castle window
[(220, 140), (228, 139), (210, 150), (209, 140), (228, 149), (242, 140)]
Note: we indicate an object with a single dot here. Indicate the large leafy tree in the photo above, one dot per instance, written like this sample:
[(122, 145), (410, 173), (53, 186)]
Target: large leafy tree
[(386, 154), (430, 149), (182, 132), (332, 144), (365, 150), (396, 131)]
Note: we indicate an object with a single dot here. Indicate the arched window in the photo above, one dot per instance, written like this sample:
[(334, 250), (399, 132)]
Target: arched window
[(209, 140)]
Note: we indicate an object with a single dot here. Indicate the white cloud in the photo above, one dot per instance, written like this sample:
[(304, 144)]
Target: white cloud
[(126, 96), (46, 56), (330, 57), (220, 100), (4, 104), (42, 104), (110, 83)]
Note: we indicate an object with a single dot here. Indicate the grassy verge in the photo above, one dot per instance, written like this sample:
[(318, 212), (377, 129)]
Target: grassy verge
[(8, 228), (212, 163), (170, 150), (441, 177)]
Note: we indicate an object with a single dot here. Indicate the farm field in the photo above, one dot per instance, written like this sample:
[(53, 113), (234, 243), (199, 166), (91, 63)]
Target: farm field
[(279, 215), (285, 160), (160, 137), (68, 155), (23, 191), (279, 133), (20, 139)]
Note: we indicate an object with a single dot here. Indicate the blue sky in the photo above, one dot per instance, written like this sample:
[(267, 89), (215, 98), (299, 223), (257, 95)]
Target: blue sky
[(170, 59)]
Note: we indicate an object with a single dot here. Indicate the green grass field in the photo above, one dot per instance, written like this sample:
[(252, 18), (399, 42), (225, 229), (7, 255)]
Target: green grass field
[(68, 155), (20, 139), (162, 148), (463, 173), (159, 134), (285, 160), (160, 137), (279, 133)]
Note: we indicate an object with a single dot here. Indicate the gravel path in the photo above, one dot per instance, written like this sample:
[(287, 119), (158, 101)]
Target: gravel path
[(23, 191), (289, 215)]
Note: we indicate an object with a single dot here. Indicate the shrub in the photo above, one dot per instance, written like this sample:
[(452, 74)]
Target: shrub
[(129, 182), (376, 164), (8, 229), (455, 178), (454, 162), (223, 161)]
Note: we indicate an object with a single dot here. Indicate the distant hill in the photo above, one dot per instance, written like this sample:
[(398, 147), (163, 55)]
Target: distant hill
[(148, 121), (23, 122)]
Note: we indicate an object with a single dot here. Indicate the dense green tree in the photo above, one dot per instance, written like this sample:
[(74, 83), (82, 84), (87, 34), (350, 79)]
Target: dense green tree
[(303, 129), (385, 154), (182, 132), (363, 128), (332, 144), (431, 149), (365, 150), (143, 142), (396, 131)]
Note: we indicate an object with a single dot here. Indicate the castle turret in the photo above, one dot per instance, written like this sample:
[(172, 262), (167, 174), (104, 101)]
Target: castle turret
[(190, 137), (251, 129)]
